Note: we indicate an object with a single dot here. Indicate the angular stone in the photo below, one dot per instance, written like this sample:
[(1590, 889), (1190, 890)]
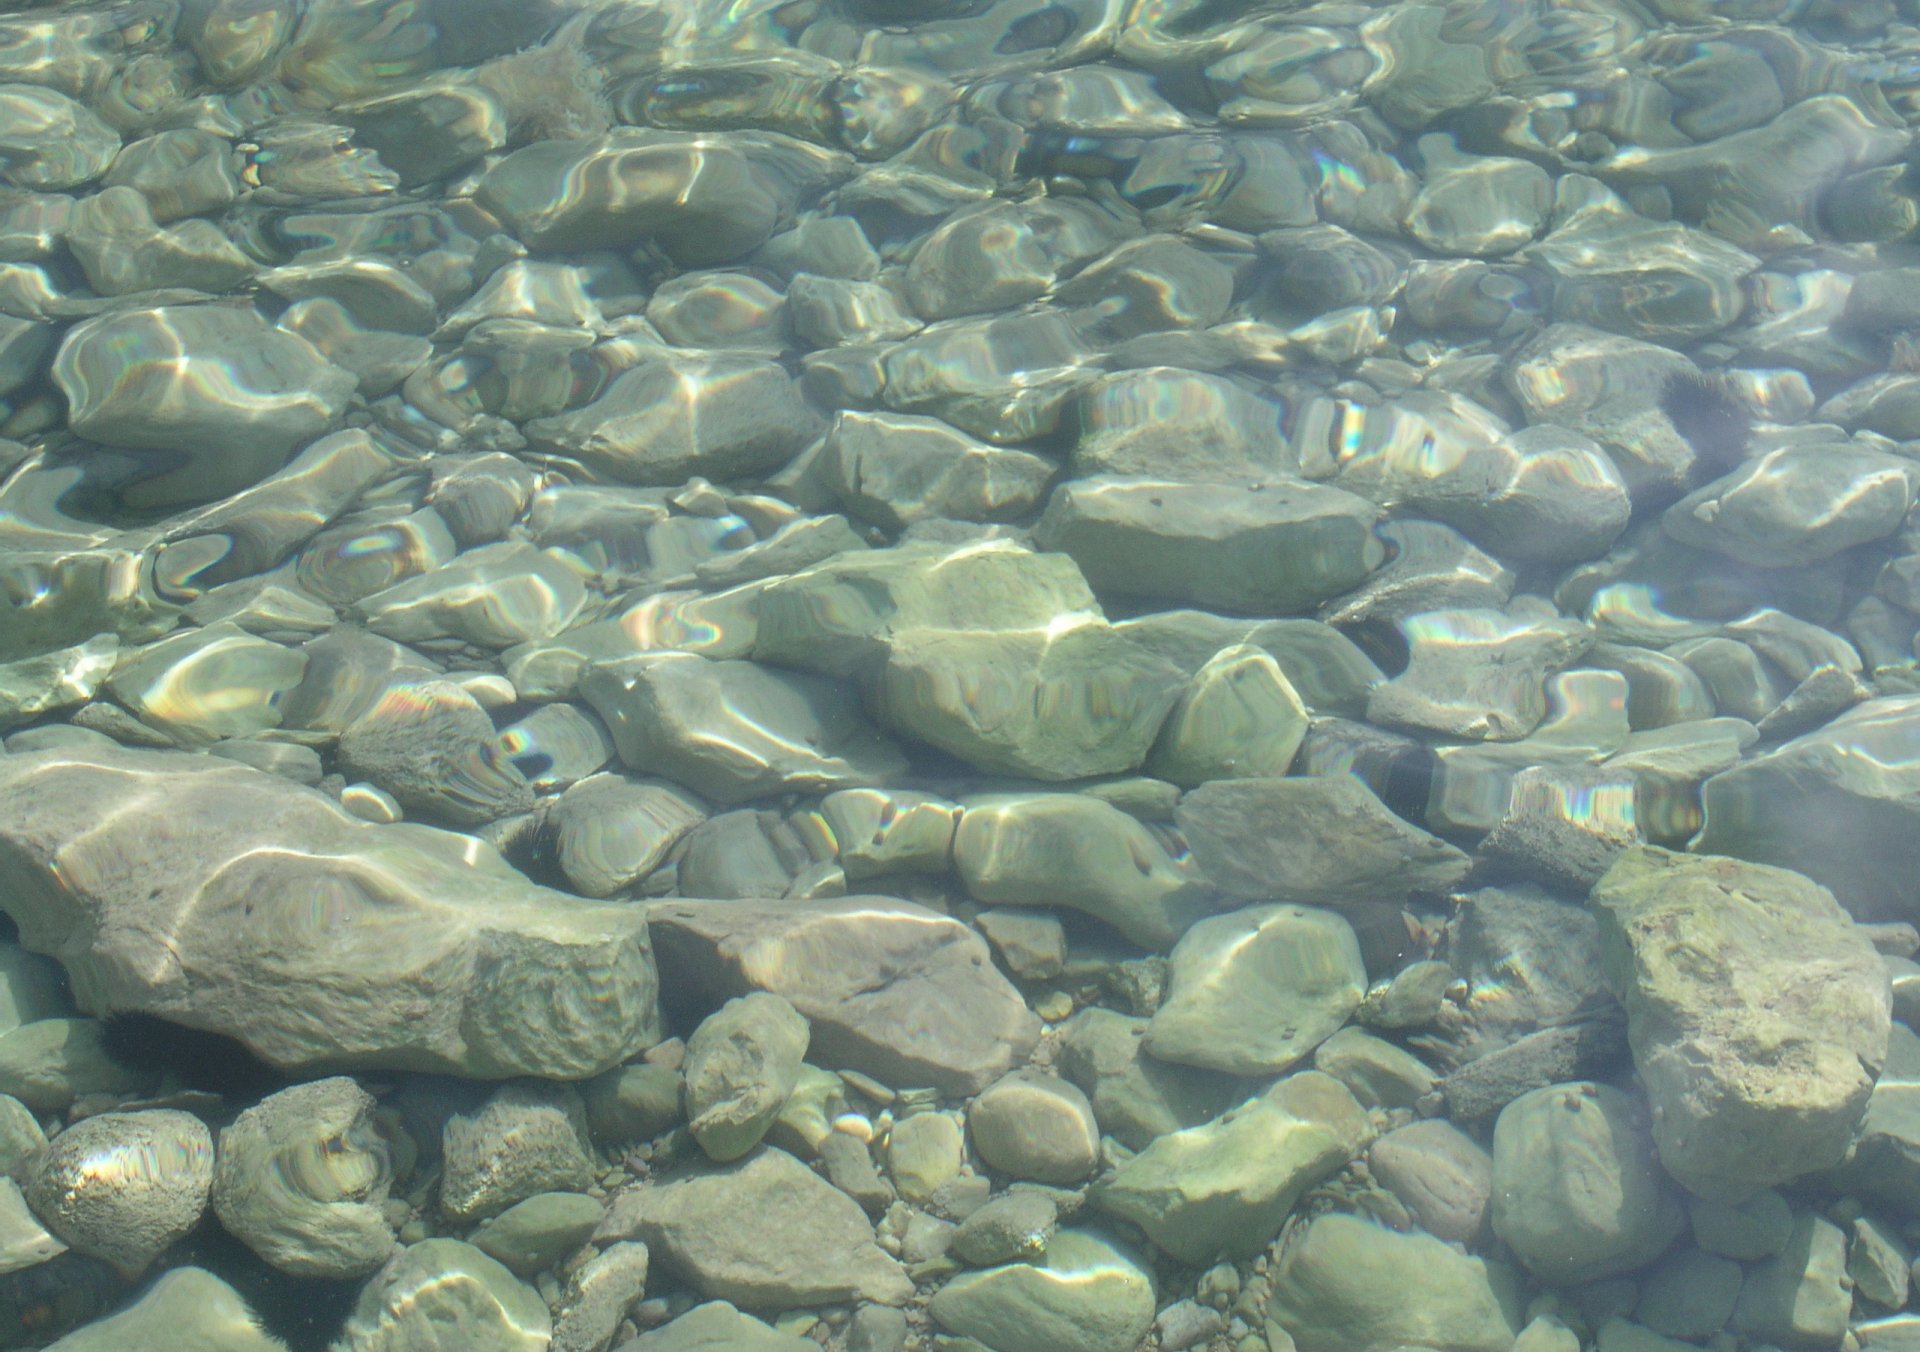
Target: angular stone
[(432, 746), (1378, 1073), (1238, 718), (204, 684), (597, 1296), (532, 1235), (48, 1063), (1136, 1098), (1347, 1283), (1225, 1187), (1073, 850), (1797, 505), (898, 468), (1179, 425), (735, 731), (1274, 549), (889, 988), (1090, 1294), (742, 1063), (1321, 840), (57, 680), (192, 898), (491, 597), (717, 1327), (1837, 804), (1757, 1013), (24, 1241), (766, 1233), (529, 1137), (1577, 1193), (880, 831), (1800, 1297), (1254, 991)]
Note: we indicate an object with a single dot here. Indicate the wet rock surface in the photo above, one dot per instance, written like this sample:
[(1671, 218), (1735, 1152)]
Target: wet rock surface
[(1254, 665)]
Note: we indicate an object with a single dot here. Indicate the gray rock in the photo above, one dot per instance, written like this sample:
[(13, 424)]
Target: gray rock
[(1278, 548), (881, 831), (1238, 718), (742, 1063), (1072, 850), (894, 469), (1254, 991), (48, 1063), (717, 1327), (1476, 674), (1093, 1295), (493, 596), (1797, 505), (611, 830), (122, 1187), (1440, 1174), (1756, 1227), (889, 988), (733, 730), (441, 1295), (739, 854), (188, 1309), (528, 1138), (1530, 961), (1224, 434), (1014, 1227), (1690, 1294), (24, 1241), (1800, 1297), (766, 1233), (1758, 1038), (1030, 1125), (436, 953), (533, 1235), (1136, 1098), (433, 747), (1577, 1193), (597, 1298), (1227, 1185), (1375, 1071), (1344, 1283), (1323, 840), (1329, 672), (203, 684), (301, 1179), (1835, 804)]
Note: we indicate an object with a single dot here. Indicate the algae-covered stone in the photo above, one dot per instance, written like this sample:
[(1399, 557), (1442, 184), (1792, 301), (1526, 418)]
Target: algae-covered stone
[(1378, 1073), (766, 1233), (1276, 548), (1347, 1285), (742, 1062), (441, 1295), (1254, 991), (1577, 1194), (1073, 850), (1226, 1186), (1757, 1013), (1238, 718), (1090, 1294), (1321, 840)]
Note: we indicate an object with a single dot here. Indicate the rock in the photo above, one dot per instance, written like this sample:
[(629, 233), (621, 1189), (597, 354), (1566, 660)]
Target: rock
[(735, 731), (716, 1327), (1092, 1295), (597, 1298), (1028, 1125), (1346, 1283), (301, 1179), (612, 830), (1279, 548), (122, 1187), (528, 1138), (215, 381), (205, 684), (894, 469), (441, 1295), (1756, 1227), (493, 596), (533, 1235), (880, 831), (766, 1233), (1758, 1015), (1796, 505), (1577, 1193), (1014, 1227), (1375, 1071), (24, 1241), (55, 680), (632, 1103), (1690, 1294), (48, 1063), (188, 1309), (1800, 1297), (1254, 991), (1530, 960), (435, 954), (1476, 673), (1440, 1174), (1834, 804), (1225, 434), (1136, 1098), (1032, 944), (889, 988), (1323, 840), (925, 1152), (1227, 1185), (1329, 672), (1072, 850), (433, 747), (1238, 718), (742, 1063)]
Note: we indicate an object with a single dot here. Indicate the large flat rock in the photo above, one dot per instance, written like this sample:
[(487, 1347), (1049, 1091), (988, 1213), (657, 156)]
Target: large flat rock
[(892, 989), (220, 897), (1758, 1015)]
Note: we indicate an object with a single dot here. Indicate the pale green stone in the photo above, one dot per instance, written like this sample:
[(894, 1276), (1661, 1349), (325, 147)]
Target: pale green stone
[(1091, 1294), (191, 1310), (441, 1295), (1238, 718), (532, 1235)]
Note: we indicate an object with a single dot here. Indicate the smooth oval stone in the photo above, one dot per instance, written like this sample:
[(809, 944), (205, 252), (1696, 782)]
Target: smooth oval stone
[(1094, 1294), (301, 1179), (611, 830), (1034, 1126), (433, 747), (1238, 718), (122, 1187), (50, 141), (492, 597), (122, 249), (1254, 991), (441, 1295), (898, 468), (216, 380), (180, 172), (208, 683), (531, 1236), (1440, 1174)]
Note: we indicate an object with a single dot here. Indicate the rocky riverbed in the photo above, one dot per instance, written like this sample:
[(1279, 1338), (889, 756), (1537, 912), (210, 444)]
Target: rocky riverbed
[(986, 675)]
